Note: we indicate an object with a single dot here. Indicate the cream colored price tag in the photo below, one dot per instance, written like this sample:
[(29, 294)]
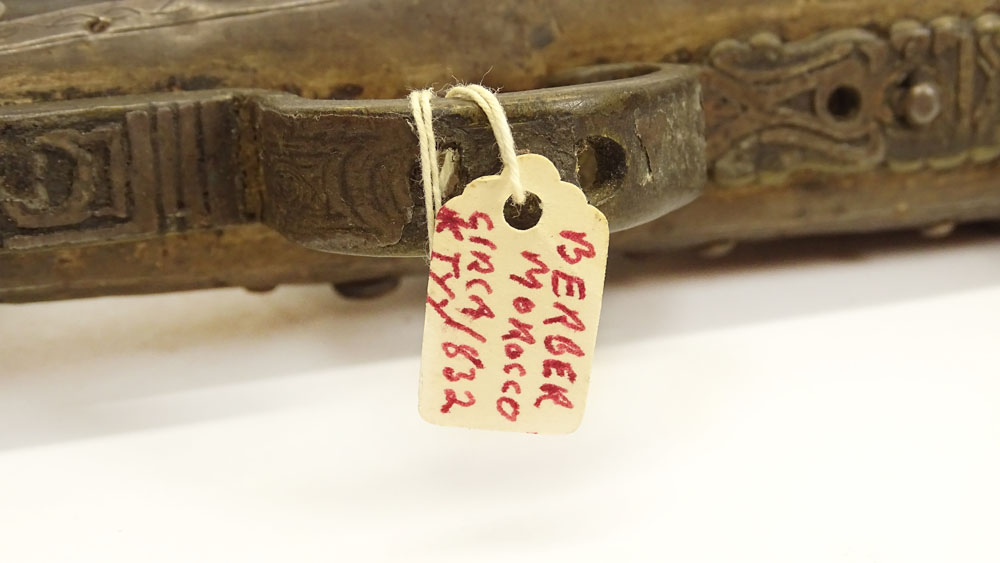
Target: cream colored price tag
[(511, 317)]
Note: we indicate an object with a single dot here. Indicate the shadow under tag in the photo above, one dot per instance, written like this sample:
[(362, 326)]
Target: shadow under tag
[(512, 311)]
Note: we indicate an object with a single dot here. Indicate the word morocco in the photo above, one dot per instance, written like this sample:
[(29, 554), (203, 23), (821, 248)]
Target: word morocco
[(507, 308)]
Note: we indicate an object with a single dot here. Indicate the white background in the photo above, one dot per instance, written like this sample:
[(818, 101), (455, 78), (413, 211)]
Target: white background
[(829, 408)]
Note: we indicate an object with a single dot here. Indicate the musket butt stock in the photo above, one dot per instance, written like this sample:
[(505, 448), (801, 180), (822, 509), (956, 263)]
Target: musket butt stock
[(193, 144)]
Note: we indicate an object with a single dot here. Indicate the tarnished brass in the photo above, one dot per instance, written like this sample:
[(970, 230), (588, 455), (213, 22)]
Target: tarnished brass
[(923, 97), (331, 175), (146, 146)]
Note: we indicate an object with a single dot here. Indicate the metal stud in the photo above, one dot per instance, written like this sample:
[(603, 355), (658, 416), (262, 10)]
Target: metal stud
[(367, 289), (717, 249), (939, 230), (922, 104)]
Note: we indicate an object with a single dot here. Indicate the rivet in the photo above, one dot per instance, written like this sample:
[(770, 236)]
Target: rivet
[(260, 288), (366, 289), (717, 249), (922, 103), (98, 24), (939, 230)]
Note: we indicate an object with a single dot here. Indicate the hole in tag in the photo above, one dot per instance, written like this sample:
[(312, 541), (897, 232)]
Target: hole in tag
[(523, 217)]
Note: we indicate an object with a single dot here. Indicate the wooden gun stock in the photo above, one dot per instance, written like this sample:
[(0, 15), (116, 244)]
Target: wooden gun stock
[(161, 145)]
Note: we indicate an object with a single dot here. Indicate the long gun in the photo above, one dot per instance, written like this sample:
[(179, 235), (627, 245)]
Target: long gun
[(163, 145)]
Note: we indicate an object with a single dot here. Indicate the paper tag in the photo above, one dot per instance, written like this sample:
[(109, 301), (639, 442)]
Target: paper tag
[(511, 317)]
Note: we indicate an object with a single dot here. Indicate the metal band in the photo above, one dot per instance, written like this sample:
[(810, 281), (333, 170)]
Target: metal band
[(331, 175)]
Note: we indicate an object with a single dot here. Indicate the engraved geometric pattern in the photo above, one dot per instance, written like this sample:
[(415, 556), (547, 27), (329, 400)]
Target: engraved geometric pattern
[(162, 168), (839, 102)]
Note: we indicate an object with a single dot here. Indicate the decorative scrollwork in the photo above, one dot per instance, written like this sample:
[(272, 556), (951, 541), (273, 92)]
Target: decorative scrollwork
[(165, 167), (851, 100), (310, 162), (38, 207)]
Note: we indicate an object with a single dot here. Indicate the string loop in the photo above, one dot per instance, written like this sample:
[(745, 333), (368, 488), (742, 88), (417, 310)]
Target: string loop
[(435, 178), (488, 102), (423, 119)]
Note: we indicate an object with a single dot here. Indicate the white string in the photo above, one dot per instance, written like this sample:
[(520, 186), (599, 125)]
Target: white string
[(488, 102), (434, 178), (423, 119)]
